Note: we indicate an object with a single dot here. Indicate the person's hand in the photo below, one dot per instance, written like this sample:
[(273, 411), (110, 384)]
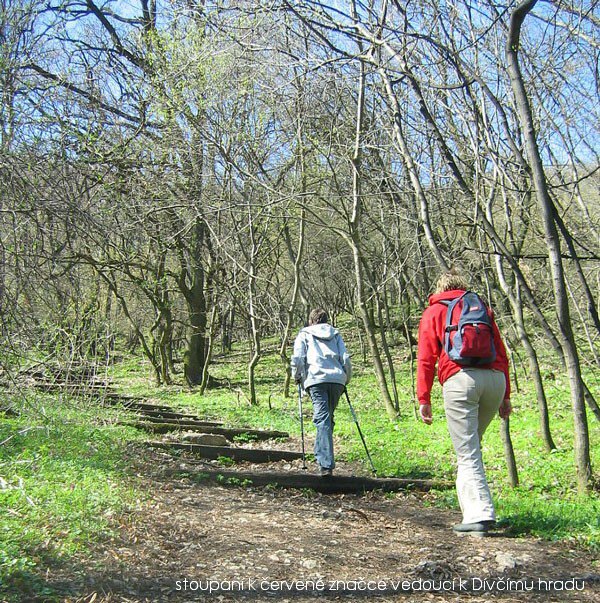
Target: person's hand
[(505, 409), (425, 412)]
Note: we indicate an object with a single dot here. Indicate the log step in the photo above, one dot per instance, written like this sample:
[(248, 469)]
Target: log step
[(138, 403), (180, 422), (168, 414), (88, 388), (229, 432), (142, 406), (252, 455), (337, 484), (109, 397)]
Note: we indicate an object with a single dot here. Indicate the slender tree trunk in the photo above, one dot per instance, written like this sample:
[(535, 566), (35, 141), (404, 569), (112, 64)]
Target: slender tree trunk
[(112, 285), (590, 339), (355, 245), (516, 305), (547, 212), (227, 319), (297, 257), (292, 305), (195, 354), (509, 453), (387, 354), (589, 296), (412, 171), (252, 310), (209, 347)]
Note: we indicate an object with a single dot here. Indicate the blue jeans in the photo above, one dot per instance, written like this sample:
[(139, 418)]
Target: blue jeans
[(325, 397)]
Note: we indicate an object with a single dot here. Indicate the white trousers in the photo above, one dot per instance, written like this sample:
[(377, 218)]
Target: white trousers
[(471, 399)]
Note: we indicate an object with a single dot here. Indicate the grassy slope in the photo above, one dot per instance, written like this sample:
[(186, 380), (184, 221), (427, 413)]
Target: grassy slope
[(63, 469), (545, 504), (64, 482)]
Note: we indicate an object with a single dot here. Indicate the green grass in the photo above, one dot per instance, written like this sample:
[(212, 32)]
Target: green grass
[(64, 482), (545, 504)]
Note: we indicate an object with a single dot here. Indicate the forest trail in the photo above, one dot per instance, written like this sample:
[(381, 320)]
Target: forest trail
[(256, 542), (248, 543)]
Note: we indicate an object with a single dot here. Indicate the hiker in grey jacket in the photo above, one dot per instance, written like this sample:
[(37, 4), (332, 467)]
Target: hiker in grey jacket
[(321, 363)]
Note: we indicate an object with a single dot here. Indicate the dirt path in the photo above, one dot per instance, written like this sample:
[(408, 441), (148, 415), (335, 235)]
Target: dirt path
[(258, 544)]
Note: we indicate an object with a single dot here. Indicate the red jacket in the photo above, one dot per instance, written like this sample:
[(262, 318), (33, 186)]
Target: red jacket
[(431, 345)]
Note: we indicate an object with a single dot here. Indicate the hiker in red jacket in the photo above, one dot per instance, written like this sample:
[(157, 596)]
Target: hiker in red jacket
[(472, 396)]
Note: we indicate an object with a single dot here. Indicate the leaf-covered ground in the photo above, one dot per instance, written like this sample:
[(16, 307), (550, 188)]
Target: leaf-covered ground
[(267, 544)]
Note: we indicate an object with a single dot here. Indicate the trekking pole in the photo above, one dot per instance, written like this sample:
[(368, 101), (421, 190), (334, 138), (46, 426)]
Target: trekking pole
[(360, 432), (301, 424)]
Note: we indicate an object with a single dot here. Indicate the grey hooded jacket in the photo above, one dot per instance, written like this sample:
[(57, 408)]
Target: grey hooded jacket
[(320, 356)]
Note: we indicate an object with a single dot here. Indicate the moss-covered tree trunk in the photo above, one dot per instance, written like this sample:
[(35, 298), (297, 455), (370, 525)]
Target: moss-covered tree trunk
[(195, 296)]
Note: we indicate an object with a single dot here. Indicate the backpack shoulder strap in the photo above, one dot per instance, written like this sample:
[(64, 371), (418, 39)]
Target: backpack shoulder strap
[(451, 304)]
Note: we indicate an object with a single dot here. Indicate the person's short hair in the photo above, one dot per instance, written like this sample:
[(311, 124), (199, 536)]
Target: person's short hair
[(317, 316), (450, 280)]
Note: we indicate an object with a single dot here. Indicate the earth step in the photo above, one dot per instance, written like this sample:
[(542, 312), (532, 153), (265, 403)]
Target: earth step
[(336, 484), (252, 455), (207, 439), (198, 427)]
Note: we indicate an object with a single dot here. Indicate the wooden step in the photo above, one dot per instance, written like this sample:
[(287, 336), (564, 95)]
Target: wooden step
[(83, 387), (336, 484), (134, 403), (168, 414), (179, 422), (102, 391), (251, 455), (143, 406), (229, 432)]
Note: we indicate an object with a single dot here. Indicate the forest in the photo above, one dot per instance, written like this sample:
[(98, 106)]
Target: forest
[(182, 181)]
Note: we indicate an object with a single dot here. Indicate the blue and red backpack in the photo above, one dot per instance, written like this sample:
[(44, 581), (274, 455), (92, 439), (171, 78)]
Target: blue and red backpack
[(469, 334)]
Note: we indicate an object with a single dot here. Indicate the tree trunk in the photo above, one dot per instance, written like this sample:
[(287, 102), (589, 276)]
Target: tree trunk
[(290, 309), (255, 335), (355, 245), (209, 348), (509, 453), (516, 305), (414, 177), (195, 355), (547, 212), (387, 354)]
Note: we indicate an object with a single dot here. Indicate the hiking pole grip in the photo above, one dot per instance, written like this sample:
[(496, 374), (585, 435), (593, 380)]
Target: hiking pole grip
[(360, 432)]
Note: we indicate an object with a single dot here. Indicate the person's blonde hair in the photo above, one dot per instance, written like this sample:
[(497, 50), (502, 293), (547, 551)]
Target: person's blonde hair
[(451, 280)]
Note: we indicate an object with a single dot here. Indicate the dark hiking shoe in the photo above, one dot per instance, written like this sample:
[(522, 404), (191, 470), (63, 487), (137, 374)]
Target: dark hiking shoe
[(479, 528), (324, 472)]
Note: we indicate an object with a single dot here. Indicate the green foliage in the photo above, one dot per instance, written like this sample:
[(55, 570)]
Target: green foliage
[(234, 481), (63, 483), (245, 437), (225, 461)]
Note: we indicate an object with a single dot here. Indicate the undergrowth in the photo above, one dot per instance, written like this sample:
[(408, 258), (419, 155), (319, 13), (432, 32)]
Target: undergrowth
[(63, 483)]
